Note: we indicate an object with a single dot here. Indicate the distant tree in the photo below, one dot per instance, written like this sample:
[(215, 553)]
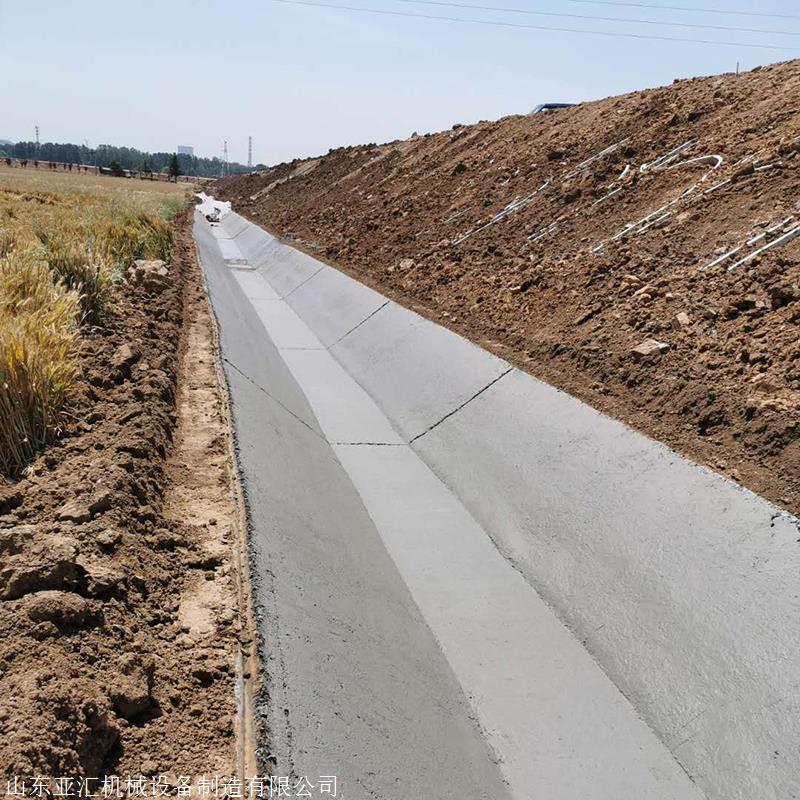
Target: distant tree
[(128, 158), (174, 168), (146, 168), (116, 169)]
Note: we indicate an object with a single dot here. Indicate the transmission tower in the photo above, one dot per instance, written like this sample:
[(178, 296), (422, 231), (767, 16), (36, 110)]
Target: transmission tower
[(249, 151), (224, 156), (37, 139)]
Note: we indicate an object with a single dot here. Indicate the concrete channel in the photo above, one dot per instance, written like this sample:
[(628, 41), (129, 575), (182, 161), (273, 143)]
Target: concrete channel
[(471, 585)]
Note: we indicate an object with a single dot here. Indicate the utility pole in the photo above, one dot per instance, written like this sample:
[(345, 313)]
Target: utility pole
[(36, 127), (224, 157), (249, 151)]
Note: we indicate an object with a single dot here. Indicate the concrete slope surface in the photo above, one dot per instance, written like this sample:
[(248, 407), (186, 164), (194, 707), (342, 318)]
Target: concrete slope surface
[(472, 581)]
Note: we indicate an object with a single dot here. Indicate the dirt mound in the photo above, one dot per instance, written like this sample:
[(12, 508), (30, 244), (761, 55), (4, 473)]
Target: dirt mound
[(98, 672), (591, 247)]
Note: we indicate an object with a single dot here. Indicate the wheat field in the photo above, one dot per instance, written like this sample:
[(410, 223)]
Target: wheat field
[(65, 239)]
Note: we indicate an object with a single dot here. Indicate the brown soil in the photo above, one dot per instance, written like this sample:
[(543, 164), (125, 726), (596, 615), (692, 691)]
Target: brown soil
[(118, 587), (727, 391)]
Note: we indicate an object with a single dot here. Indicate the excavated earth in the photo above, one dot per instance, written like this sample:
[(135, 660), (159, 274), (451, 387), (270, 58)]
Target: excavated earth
[(704, 359), (118, 607)]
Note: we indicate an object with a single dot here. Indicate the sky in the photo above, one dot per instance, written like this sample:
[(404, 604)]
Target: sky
[(301, 79)]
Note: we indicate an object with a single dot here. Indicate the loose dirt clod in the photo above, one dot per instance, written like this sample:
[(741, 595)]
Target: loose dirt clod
[(564, 241)]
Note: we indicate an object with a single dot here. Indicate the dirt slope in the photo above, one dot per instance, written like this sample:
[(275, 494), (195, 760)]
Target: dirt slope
[(536, 286), (117, 595)]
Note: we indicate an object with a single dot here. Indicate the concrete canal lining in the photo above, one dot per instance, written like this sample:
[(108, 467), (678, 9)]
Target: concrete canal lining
[(602, 618)]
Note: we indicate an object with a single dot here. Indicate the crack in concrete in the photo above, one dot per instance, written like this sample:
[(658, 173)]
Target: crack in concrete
[(368, 444)]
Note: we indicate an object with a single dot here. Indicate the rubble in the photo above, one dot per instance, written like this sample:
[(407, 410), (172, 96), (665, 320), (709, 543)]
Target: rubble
[(649, 348), (152, 276), (63, 609), (132, 693), (681, 320), (46, 563)]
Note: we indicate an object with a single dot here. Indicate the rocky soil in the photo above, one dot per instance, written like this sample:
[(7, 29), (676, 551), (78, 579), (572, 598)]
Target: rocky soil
[(118, 607), (576, 245)]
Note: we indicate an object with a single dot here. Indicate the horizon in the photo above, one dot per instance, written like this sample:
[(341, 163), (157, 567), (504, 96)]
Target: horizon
[(387, 141), (377, 74)]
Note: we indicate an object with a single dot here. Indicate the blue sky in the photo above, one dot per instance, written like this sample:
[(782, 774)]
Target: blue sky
[(304, 79)]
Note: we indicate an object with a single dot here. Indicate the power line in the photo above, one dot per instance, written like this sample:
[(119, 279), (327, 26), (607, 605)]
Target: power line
[(685, 8), (660, 23), (496, 23)]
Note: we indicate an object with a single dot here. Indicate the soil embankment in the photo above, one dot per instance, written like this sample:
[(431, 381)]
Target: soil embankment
[(119, 601), (575, 245)]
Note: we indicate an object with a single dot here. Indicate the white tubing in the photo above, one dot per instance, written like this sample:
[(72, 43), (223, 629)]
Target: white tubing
[(582, 166), (514, 205), (717, 186), (781, 240), (723, 258), (780, 225), (608, 196), (667, 157), (714, 160), (752, 240)]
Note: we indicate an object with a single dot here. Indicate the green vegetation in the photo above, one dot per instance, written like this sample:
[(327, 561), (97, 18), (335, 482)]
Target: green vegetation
[(174, 167), (126, 157)]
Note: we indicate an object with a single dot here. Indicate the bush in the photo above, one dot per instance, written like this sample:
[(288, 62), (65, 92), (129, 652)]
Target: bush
[(39, 350)]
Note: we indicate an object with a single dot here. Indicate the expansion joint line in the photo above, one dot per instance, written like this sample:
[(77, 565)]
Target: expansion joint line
[(466, 402), (302, 421), (369, 316), (273, 398), (368, 444), (303, 283)]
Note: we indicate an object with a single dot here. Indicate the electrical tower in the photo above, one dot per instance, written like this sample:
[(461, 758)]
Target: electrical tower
[(224, 156), (37, 139), (249, 151)]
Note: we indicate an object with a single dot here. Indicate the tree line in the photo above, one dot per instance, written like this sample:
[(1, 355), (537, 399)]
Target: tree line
[(130, 158)]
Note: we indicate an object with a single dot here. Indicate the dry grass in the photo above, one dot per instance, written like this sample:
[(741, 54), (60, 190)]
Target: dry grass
[(66, 183), (39, 348), (64, 239)]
